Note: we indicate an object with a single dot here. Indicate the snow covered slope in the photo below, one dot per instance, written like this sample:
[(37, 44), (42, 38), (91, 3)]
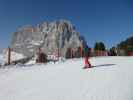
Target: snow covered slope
[(110, 79), (1, 58), (14, 56)]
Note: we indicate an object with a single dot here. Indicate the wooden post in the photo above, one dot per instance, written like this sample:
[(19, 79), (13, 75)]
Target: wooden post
[(71, 53), (9, 56)]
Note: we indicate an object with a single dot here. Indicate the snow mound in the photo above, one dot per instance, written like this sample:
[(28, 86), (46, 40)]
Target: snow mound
[(111, 78)]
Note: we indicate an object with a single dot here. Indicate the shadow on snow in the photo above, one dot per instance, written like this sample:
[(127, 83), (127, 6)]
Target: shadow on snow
[(103, 65)]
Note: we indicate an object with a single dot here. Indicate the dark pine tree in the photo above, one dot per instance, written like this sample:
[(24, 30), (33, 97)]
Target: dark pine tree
[(68, 53), (99, 46)]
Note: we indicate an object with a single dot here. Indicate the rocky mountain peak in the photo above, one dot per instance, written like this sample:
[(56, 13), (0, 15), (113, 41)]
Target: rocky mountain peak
[(50, 36)]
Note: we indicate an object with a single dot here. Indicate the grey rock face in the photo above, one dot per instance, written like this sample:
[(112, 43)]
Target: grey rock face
[(50, 37)]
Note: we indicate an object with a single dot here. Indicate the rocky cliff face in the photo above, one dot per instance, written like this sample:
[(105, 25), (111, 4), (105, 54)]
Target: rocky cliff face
[(49, 36)]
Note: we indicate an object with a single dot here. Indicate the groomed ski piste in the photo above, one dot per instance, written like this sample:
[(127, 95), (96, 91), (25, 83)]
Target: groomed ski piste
[(111, 78)]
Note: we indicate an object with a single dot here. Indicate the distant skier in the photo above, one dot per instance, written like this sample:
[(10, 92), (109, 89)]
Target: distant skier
[(87, 52)]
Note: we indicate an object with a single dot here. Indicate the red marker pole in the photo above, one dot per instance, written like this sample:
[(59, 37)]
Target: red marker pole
[(81, 51)]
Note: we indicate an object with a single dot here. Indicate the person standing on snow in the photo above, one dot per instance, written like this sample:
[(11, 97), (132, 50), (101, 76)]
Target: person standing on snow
[(87, 54)]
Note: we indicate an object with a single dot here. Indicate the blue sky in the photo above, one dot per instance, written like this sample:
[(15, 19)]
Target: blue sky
[(110, 21)]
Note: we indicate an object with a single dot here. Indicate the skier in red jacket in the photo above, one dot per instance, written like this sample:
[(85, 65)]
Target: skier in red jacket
[(87, 53)]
